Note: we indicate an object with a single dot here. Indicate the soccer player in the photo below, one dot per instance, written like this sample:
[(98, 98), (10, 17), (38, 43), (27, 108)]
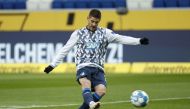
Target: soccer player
[(92, 42)]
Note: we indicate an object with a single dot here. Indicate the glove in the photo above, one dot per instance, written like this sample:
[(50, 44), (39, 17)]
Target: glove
[(48, 69), (144, 41)]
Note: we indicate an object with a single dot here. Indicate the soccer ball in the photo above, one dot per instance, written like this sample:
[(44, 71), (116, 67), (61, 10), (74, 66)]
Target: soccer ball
[(139, 98)]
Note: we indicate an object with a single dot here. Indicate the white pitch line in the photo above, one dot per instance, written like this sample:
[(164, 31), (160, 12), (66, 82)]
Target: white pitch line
[(76, 104)]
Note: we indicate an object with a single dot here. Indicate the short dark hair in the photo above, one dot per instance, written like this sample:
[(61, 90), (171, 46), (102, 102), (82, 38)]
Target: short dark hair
[(95, 13)]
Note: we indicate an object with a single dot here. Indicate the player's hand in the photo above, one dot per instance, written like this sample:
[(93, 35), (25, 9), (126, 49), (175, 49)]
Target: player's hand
[(144, 41), (48, 69)]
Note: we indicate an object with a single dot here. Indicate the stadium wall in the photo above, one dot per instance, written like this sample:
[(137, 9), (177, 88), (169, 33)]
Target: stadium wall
[(69, 20)]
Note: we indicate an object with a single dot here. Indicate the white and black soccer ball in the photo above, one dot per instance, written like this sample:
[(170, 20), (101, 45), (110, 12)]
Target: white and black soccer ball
[(139, 98)]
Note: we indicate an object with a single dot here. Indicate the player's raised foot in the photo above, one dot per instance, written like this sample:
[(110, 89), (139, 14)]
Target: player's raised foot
[(94, 105)]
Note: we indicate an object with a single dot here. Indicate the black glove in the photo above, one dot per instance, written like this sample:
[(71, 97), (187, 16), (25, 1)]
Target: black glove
[(48, 69), (144, 41)]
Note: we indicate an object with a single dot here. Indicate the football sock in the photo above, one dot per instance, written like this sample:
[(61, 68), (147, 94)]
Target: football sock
[(96, 97), (87, 96)]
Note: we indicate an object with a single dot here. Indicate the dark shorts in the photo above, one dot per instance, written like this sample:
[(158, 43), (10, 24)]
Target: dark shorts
[(94, 74)]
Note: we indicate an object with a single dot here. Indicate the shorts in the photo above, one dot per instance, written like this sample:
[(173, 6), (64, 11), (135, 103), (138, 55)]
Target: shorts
[(94, 74)]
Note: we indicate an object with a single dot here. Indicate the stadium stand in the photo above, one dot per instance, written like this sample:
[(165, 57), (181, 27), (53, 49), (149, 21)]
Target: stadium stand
[(12, 4), (107, 4), (184, 3), (171, 3), (159, 4), (81, 4), (20, 4), (120, 3), (57, 4), (139, 4), (88, 4), (60, 4), (69, 4), (94, 4), (45, 4), (84, 4), (39, 4), (146, 4), (8, 4)]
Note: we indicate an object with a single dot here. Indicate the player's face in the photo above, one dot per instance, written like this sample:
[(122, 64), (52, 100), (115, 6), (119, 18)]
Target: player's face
[(92, 23)]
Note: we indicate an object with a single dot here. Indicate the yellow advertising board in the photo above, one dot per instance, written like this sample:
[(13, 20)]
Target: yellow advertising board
[(160, 67), (136, 67), (62, 68)]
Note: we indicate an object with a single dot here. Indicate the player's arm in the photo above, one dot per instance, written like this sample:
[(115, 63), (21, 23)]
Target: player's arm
[(116, 38), (63, 52)]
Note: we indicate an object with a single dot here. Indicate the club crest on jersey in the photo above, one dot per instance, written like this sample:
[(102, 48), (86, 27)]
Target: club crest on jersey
[(92, 45)]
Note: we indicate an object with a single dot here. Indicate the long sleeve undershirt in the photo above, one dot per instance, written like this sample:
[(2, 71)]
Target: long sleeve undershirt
[(111, 37)]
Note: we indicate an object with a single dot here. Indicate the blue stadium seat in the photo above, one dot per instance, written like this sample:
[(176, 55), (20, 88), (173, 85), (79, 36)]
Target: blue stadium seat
[(94, 4), (8, 4), (81, 3), (88, 3), (69, 4), (159, 3), (184, 3), (20, 4), (107, 4), (120, 3), (57, 4), (171, 3), (1, 4)]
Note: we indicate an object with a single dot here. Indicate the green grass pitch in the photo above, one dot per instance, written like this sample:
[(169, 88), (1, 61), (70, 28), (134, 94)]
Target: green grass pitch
[(61, 91)]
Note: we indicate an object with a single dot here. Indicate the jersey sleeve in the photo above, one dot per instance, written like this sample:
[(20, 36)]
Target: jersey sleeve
[(65, 49), (116, 38)]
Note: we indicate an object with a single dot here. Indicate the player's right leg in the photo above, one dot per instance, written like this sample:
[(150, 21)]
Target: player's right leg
[(84, 77), (87, 96), (100, 91)]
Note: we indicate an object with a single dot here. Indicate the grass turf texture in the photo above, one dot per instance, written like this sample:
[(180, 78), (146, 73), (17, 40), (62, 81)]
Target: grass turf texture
[(61, 91)]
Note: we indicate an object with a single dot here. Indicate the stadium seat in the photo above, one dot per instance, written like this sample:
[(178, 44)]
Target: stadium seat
[(8, 4), (20, 4), (94, 4), (81, 3), (184, 3), (69, 4), (120, 3), (57, 4), (88, 3), (1, 4), (139, 4), (171, 3), (159, 4), (44, 4), (107, 4), (133, 4), (32, 5), (145, 4)]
